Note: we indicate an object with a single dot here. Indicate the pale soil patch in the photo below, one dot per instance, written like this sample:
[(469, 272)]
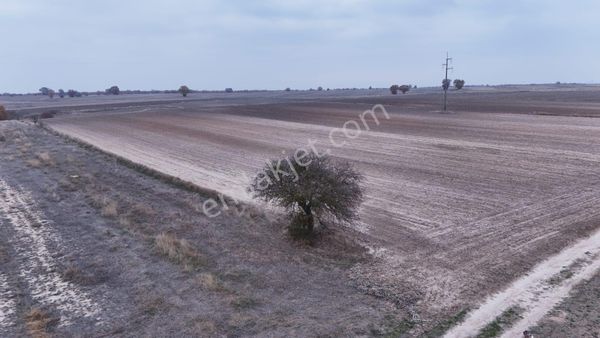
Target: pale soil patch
[(534, 292), (7, 304), (38, 267)]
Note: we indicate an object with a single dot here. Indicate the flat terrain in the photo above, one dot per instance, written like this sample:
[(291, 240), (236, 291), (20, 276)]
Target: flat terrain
[(459, 205), (82, 247)]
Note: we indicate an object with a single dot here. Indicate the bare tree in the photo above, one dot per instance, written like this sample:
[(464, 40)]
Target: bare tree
[(459, 84), (184, 90), (310, 187)]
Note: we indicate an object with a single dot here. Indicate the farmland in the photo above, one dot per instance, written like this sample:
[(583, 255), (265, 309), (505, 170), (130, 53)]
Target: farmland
[(458, 205)]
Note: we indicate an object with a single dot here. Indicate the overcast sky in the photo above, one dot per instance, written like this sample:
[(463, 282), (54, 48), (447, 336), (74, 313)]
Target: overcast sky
[(150, 44)]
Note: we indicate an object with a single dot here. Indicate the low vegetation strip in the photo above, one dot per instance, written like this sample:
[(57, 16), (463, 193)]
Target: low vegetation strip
[(534, 293), (38, 267)]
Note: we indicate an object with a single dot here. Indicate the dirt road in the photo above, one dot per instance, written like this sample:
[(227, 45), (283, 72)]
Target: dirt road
[(538, 292)]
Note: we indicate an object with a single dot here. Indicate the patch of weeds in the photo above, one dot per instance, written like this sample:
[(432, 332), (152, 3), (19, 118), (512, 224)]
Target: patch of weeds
[(78, 276), (153, 305), (39, 322), (566, 273), (241, 322), (34, 163), (393, 328), (244, 302), (109, 209), (501, 323), (178, 250), (400, 329), (440, 329), (209, 281)]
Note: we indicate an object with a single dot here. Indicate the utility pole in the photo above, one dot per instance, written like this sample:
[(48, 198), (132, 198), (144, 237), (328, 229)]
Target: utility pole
[(446, 83)]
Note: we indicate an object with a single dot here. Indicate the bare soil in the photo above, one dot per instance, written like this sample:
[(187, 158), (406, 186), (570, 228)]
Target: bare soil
[(459, 205)]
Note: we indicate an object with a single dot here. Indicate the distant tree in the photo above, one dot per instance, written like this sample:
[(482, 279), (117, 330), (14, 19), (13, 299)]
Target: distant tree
[(228, 90), (415, 87), (445, 84), (3, 114), (394, 89), (114, 90), (184, 90), (44, 91), (404, 88), (320, 88), (73, 93), (61, 93), (458, 84), (288, 89), (50, 93), (320, 188)]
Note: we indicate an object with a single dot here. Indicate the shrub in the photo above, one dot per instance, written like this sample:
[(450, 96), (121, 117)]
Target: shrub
[(48, 114), (184, 90), (3, 114), (319, 88), (404, 88), (394, 89), (288, 89), (310, 187), (458, 84), (228, 90)]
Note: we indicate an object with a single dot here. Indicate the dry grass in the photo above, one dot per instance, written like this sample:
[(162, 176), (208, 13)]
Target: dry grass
[(153, 305), (34, 163), (38, 323), (45, 158), (109, 209), (178, 250), (209, 281), (40, 160), (107, 206)]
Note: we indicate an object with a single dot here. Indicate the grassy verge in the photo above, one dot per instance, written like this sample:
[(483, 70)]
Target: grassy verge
[(501, 323)]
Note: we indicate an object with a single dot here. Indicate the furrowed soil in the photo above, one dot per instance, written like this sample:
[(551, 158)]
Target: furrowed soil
[(459, 205)]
